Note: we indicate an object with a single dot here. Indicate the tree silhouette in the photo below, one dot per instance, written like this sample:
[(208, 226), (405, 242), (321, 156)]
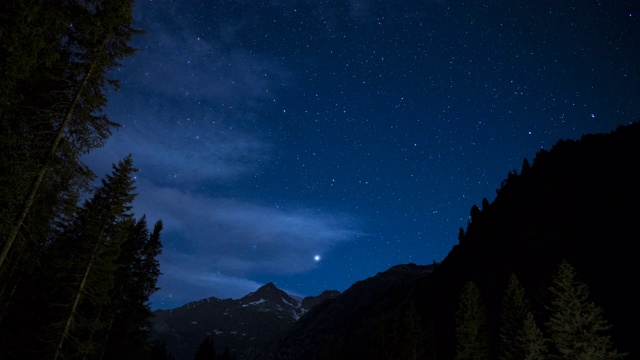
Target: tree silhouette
[(532, 339), (474, 212), (461, 235), (59, 75), (90, 246), (485, 204), (472, 337), (576, 325), (519, 335)]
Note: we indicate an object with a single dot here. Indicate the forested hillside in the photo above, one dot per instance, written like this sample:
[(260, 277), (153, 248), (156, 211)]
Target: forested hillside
[(75, 276), (544, 270)]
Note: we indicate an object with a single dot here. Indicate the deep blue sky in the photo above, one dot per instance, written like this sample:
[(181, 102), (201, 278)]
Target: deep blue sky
[(271, 132)]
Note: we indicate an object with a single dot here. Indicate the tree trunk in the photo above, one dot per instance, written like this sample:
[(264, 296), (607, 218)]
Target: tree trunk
[(37, 181), (76, 300), (106, 339)]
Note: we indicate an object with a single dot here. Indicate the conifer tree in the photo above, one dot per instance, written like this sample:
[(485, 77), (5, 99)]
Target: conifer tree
[(515, 308), (86, 271), (135, 280), (472, 337), (526, 167), (53, 94), (534, 344), (474, 213), (576, 325), (485, 204), (520, 337), (461, 235)]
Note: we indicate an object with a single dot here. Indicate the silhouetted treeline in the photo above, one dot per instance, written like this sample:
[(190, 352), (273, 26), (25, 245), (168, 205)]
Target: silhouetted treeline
[(575, 203), (571, 328), (75, 278)]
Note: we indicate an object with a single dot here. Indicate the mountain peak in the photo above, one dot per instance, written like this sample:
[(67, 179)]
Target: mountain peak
[(268, 287), (268, 290), (243, 325), (269, 293)]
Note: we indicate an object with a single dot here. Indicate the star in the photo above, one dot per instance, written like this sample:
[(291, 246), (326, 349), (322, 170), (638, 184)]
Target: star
[(264, 149)]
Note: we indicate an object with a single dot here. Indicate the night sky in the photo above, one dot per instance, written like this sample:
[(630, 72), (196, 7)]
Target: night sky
[(315, 143)]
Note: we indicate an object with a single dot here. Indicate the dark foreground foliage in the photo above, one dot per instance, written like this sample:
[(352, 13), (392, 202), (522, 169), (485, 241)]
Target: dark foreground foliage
[(75, 278)]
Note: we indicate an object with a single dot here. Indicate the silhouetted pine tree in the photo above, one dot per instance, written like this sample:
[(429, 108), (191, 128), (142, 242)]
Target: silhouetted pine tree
[(485, 204), (461, 235), (576, 326), (532, 339), (515, 308), (526, 167), (475, 213), (472, 337), (57, 55), (84, 264), (135, 280), (54, 57)]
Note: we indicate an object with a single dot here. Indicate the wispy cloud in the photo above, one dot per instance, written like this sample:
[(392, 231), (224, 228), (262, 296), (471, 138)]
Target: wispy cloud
[(212, 246), (239, 237), (196, 102), (191, 127), (174, 60), (184, 157)]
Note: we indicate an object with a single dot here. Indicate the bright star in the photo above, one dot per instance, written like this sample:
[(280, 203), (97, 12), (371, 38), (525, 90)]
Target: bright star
[(316, 258)]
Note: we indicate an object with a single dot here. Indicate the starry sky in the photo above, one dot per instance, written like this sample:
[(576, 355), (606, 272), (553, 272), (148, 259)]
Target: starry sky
[(316, 143)]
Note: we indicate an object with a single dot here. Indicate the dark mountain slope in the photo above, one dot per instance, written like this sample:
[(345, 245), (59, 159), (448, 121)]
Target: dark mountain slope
[(244, 325), (338, 322), (579, 202)]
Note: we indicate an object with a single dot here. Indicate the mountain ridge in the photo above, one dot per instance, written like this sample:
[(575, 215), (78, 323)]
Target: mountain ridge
[(577, 202), (243, 325)]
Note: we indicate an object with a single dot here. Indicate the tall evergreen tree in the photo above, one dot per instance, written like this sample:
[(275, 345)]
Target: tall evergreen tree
[(526, 167), (515, 308), (474, 213), (576, 325), (532, 339), (472, 337), (135, 280), (461, 235), (57, 55), (485, 204), (84, 262)]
